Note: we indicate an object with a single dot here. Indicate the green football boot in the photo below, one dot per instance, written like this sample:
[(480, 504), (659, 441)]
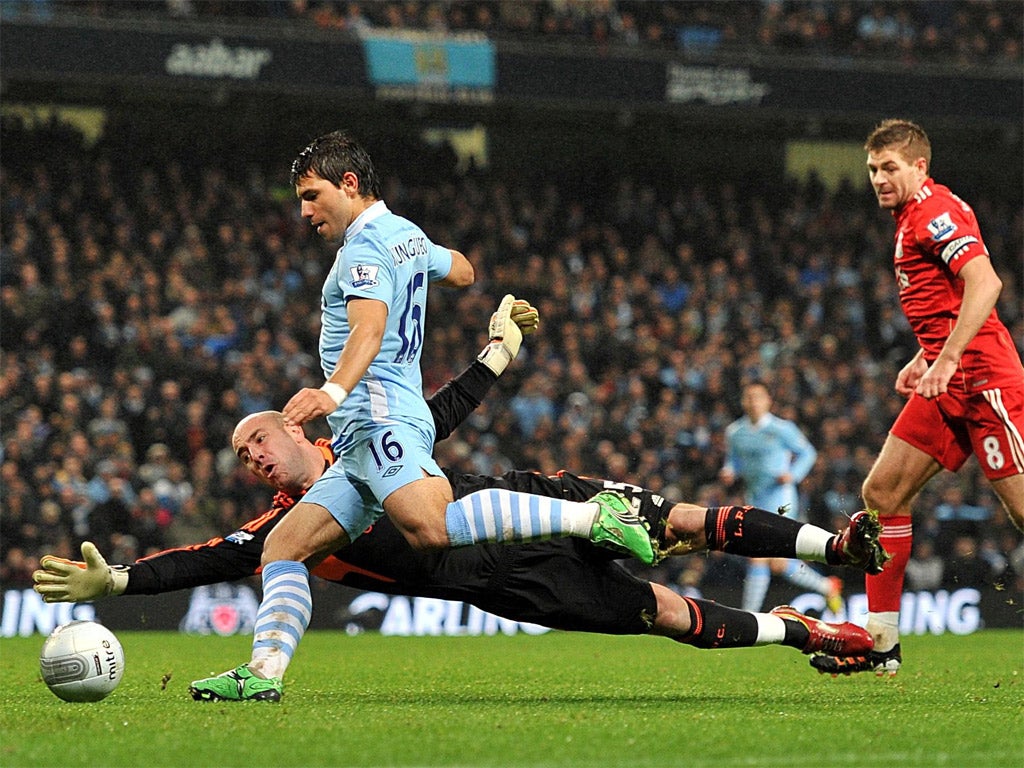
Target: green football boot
[(620, 528), (238, 684)]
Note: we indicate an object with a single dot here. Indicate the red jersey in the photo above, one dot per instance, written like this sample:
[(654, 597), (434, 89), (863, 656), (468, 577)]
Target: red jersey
[(936, 234)]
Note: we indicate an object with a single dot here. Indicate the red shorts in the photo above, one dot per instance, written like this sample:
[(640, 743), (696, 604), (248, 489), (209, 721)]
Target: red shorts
[(988, 423)]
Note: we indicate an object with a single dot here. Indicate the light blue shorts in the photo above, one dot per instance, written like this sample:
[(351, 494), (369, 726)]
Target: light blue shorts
[(379, 462)]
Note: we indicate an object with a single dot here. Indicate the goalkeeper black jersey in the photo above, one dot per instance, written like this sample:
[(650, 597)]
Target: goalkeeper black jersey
[(563, 583)]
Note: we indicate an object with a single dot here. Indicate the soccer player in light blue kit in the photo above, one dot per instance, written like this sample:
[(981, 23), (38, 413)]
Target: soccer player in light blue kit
[(772, 456), (373, 311)]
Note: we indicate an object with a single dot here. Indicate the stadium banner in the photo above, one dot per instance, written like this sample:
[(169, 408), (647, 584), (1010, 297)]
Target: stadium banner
[(188, 58), (430, 67), (473, 69), (623, 82), (228, 609), (715, 86)]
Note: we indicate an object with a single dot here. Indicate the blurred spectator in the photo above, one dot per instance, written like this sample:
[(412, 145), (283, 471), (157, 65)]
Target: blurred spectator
[(157, 464), (149, 520), (98, 489), (16, 568), (877, 29), (925, 568), (110, 516), (488, 459), (533, 405), (956, 517), (965, 567), (190, 526), (174, 489), (996, 560)]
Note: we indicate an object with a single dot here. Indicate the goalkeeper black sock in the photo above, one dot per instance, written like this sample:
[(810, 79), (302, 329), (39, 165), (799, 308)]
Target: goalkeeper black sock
[(718, 626), (750, 532)]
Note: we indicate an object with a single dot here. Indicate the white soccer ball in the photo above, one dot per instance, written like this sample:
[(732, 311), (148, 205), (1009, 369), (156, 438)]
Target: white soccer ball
[(81, 661)]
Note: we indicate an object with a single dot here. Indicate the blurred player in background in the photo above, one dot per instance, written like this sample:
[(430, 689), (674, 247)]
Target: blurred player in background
[(772, 457), (965, 385), (563, 583)]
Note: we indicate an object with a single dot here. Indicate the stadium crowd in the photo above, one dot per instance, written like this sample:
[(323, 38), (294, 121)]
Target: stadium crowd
[(938, 31), (147, 306)]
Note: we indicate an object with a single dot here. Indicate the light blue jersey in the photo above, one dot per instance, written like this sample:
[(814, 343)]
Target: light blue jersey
[(388, 258), (760, 452), (383, 431)]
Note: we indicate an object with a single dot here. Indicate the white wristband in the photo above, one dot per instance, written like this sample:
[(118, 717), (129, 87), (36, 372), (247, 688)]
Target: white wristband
[(337, 392), (117, 581)]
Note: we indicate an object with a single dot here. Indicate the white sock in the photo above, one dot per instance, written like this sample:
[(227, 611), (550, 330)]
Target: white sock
[(812, 542), (771, 630), (884, 627)]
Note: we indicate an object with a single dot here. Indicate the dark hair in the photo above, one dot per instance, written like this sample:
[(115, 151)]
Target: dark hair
[(907, 138), (333, 155)]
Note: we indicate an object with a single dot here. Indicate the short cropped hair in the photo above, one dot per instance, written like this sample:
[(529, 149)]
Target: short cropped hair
[(907, 138), (333, 155)]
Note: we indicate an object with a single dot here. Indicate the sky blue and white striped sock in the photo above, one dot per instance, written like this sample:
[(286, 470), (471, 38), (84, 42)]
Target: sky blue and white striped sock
[(282, 618), (498, 515)]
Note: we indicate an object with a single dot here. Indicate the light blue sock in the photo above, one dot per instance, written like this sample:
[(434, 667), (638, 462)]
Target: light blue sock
[(282, 618), (498, 515), (755, 586)]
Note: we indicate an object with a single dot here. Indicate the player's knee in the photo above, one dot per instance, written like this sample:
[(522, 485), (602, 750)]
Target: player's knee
[(685, 529), (278, 547), (1016, 516), (877, 496), (284, 544)]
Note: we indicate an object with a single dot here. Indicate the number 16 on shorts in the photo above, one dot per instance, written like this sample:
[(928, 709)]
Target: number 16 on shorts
[(394, 456), (387, 451)]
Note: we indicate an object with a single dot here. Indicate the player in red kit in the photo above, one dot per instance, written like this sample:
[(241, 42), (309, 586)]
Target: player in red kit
[(965, 385)]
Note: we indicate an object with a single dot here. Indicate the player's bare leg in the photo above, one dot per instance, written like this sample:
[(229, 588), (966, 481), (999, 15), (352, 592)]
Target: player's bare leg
[(898, 475), (307, 534), (684, 530), (417, 510), (1010, 491)]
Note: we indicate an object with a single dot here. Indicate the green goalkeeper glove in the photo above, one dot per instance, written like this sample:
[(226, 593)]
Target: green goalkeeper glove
[(513, 319), (71, 581)]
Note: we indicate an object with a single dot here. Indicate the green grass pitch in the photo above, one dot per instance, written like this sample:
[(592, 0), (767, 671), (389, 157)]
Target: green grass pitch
[(556, 700)]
